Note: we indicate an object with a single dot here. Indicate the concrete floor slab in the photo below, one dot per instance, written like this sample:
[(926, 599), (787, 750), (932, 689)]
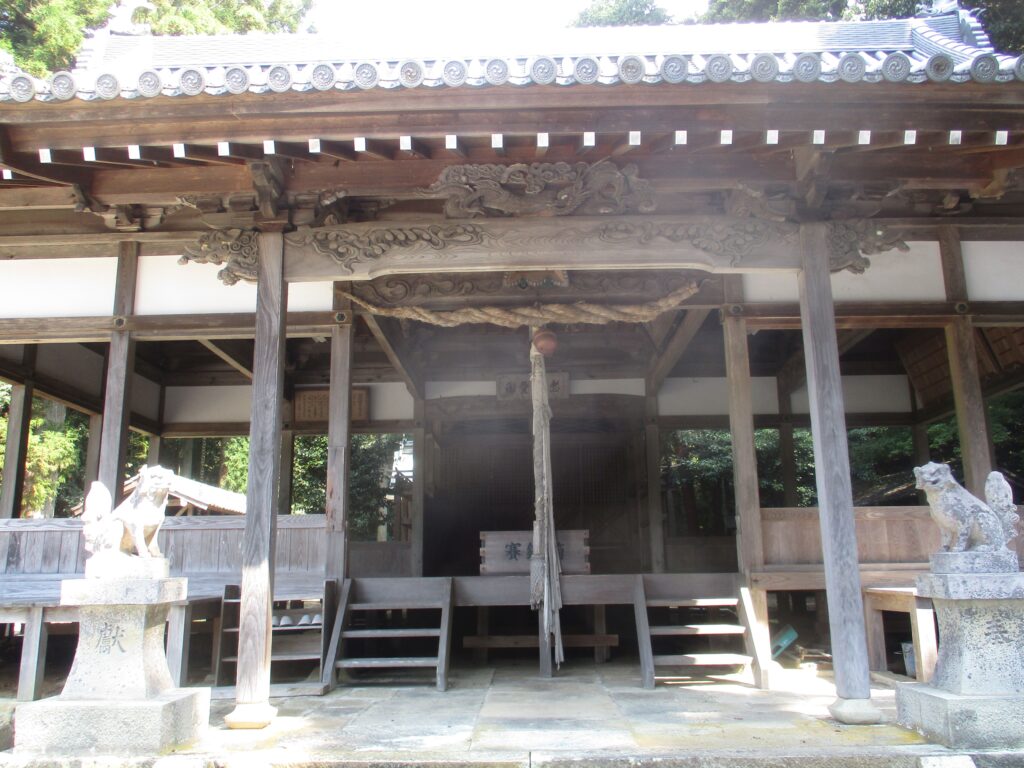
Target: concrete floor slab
[(589, 716)]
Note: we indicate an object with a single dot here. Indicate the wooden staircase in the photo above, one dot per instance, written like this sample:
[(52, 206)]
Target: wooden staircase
[(374, 613), (713, 606)]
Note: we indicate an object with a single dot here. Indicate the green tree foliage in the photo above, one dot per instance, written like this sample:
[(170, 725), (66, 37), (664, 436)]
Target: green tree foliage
[(621, 13), (44, 35), (722, 11)]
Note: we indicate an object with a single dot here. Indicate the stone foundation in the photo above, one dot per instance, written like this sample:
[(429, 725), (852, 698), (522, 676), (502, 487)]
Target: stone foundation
[(151, 726), (961, 721)]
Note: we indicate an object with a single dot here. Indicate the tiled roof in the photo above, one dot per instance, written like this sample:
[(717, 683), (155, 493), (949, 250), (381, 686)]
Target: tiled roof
[(949, 47)]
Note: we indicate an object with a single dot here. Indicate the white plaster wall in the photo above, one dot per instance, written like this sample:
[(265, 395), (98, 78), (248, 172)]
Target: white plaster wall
[(895, 276), (606, 387), (72, 364), (892, 276), (311, 297), (207, 404), (165, 287), (435, 390), (866, 394), (994, 271), (710, 397), (146, 397), (390, 401), (770, 287), (57, 287)]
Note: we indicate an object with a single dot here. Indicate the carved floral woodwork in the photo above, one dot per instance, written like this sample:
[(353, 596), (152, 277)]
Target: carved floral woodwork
[(851, 242), (347, 248), (542, 189), (236, 249)]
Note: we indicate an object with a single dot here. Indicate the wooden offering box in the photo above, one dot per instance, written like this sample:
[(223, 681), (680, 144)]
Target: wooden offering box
[(508, 552)]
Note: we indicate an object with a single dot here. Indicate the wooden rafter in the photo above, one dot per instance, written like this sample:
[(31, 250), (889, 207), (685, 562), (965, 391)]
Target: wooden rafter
[(227, 357), (382, 330), (675, 346)]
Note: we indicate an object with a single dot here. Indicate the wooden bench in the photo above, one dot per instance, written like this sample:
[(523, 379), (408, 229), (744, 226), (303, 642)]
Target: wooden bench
[(922, 627)]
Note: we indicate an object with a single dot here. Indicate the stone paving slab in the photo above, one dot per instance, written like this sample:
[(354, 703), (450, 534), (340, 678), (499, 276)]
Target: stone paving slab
[(587, 717)]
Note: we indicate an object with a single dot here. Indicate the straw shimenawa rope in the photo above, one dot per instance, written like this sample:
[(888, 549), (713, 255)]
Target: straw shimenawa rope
[(537, 315)]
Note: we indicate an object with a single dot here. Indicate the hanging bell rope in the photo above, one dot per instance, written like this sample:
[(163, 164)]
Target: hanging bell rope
[(537, 315)]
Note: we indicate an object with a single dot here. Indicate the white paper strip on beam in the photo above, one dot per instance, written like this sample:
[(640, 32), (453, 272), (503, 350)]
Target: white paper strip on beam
[(57, 287), (606, 387)]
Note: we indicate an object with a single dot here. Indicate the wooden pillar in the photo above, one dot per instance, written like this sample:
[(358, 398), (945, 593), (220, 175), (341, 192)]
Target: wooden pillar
[(787, 447), (655, 513), (120, 370), (339, 450), (419, 439), (92, 450), (284, 483), (744, 456), (153, 451), (19, 419), (970, 404), (922, 453), (832, 476), (252, 692)]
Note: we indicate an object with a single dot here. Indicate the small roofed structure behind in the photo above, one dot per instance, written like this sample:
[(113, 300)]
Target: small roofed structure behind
[(190, 497)]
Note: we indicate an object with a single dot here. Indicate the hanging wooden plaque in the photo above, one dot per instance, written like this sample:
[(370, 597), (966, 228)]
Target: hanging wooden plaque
[(312, 406), (517, 386)]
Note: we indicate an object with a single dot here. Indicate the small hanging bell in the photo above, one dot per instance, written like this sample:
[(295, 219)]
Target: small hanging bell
[(545, 341)]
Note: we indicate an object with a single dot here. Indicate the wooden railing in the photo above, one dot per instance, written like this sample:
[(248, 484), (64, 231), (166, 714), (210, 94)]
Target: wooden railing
[(792, 535), (192, 544), (903, 535)]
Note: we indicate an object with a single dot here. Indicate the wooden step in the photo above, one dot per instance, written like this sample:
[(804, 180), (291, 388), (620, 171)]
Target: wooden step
[(699, 629), (396, 662), (395, 605), (702, 660), (696, 602), (285, 656), (404, 632)]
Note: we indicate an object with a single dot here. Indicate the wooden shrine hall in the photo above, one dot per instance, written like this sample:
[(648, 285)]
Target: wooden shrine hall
[(716, 227)]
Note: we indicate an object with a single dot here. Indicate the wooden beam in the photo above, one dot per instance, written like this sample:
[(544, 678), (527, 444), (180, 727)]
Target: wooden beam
[(227, 357), (381, 328), (19, 420), (120, 372), (832, 471), (252, 691), (338, 447), (676, 347)]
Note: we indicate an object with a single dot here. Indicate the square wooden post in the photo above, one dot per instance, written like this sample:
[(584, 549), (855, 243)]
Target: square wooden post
[(120, 371), (750, 547), (969, 401), (419, 439), (655, 513), (832, 477), (339, 446), (92, 449), (252, 693), (19, 419)]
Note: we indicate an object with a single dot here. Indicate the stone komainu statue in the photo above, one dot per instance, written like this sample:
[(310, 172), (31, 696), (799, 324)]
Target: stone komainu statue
[(966, 522), (132, 527)]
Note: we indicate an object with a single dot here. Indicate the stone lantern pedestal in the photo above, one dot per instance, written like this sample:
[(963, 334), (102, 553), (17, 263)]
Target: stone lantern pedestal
[(975, 699), (119, 698)]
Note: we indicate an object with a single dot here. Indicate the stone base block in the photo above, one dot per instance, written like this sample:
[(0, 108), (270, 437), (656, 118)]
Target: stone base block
[(961, 721), (153, 726), (974, 562)]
